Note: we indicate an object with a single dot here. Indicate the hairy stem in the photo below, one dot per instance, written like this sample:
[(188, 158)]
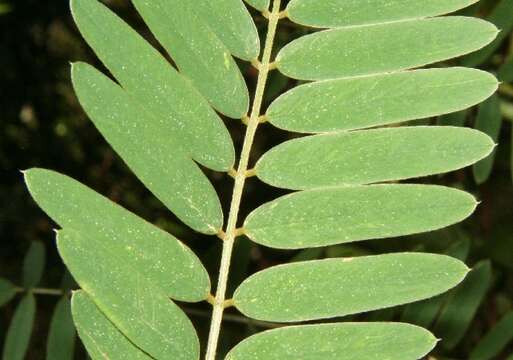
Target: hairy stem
[(240, 180)]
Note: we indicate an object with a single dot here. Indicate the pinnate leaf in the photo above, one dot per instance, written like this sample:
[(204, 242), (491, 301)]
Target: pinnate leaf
[(62, 335), (140, 310), (329, 216), (370, 156), (333, 287), (198, 52), (348, 104), (100, 337), (107, 227), (375, 49), (20, 329), (348, 341), (146, 75), (336, 13)]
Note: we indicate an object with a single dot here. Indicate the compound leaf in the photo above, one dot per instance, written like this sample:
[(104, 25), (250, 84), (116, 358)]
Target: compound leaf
[(140, 310), (337, 215), (375, 49), (62, 335), (355, 103), (100, 337), (348, 341), (198, 52), (20, 329), (107, 227), (138, 135), (337, 13), (333, 287), (371, 156), (146, 75)]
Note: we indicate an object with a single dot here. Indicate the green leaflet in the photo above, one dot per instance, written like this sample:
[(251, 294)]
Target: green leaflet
[(198, 53), (347, 104), (34, 264), (371, 156), (259, 4), (232, 23), (100, 337), (333, 287), (348, 341), (489, 121), (375, 49), (140, 310), (20, 329), (62, 335), (495, 341), (7, 291), (343, 214), (153, 253), (138, 135), (501, 17), (461, 308), (145, 74), (335, 13), (424, 313)]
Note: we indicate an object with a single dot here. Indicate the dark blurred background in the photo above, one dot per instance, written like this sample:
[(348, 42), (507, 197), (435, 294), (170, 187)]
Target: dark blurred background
[(41, 124)]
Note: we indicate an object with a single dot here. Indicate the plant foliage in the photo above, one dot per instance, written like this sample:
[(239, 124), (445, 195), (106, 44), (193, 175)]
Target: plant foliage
[(165, 122)]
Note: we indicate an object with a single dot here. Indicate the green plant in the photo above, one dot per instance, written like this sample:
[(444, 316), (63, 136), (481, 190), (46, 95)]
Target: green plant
[(163, 124), (491, 112), (61, 335)]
